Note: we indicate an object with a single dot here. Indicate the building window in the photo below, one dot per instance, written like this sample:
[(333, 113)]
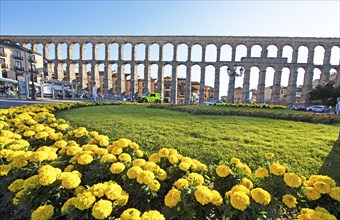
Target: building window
[(17, 55), (2, 51), (18, 65), (3, 62)]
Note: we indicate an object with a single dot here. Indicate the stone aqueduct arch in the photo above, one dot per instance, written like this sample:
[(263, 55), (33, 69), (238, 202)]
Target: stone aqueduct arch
[(263, 61)]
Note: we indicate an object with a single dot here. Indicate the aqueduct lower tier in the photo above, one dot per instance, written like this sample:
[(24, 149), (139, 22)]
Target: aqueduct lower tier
[(222, 44)]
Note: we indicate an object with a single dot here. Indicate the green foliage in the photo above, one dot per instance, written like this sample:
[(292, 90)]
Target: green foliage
[(325, 94)]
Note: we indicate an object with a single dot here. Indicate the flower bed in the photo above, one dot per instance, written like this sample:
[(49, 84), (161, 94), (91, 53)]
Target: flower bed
[(51, 170), (312, 118)]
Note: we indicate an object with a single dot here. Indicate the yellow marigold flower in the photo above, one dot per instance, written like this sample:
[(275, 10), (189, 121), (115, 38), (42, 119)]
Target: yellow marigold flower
[(239, 188), (311, 193), (100, 151), (322, 187), (154, 158), (247, 183), (18, 196), (335, 193), (47, 177), (181, 183), (117, 167), (41, 135), (102, 209), (269, 155), (70, 180), (289, 200), (261, 172), (240, 200), (216, 198), (235, 160), (139, 153), (73, 150), (44, 212), (130, 214), (79, 190), (39, 156), (184, 166), (116, 150), (203, 195), (195, 178), (173, 159), (123, 199), (133, 172), (66, 206), (18, 163), (108, 158), (85, 159), (31, 182), (277, 169), (261, 196), (60, 144), (62, 127), (145, 177), (134, 146), (164, 152), (151, 166), (38, 127), (139, 162), (84, 201), (121, 143), (223, 170), (16, 185), (99, 189), (154, 185), (319, 213), (172, 198), (161, 174), (152, 215), (244, 167), (29, 133), (293, 180), (321, 178), (124, 157)]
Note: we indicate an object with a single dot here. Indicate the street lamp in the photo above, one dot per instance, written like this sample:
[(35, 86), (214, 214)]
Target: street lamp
[(32, 75), (232, 75)]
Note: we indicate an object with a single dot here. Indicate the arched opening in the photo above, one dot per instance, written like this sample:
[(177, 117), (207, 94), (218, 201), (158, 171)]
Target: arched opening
[(269, 84), (153, 77), (196, 53), (88, 51), (319, 53), (241, 51), (335, 55), (167, 69), (226, 52), (76, 51), (181, 82), (224, 82), (303, 54), (140, 52), (154, 52), (127, 49), (256, 51), (299, 84), (316, 77), (62, 50), (168, 52), (211, 53), (100, 51), (51, 49), (182, 52), (287, 52), (114, 51), (195, 83), (272, 51)]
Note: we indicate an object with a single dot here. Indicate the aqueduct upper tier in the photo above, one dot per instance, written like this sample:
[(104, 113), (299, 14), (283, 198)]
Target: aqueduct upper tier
[(276, 52)]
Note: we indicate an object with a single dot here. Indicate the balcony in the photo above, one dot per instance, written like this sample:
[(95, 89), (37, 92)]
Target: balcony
[(3, 54), (18, 57), (4, 65), (33, 60), (19, 68)]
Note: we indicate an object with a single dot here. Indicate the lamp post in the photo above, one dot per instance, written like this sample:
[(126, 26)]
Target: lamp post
[(32, 75), (232, 73)]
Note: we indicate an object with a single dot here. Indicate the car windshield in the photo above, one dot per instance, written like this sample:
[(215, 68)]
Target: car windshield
[(146, 94)]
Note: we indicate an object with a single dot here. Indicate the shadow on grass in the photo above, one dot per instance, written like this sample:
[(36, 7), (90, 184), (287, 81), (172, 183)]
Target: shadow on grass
[(331, 165)]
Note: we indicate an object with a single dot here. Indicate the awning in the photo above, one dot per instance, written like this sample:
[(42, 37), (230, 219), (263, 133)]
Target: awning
[(8, 80)]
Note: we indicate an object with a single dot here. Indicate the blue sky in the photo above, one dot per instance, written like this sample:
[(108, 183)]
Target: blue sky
[(233, 18), (306, 18)]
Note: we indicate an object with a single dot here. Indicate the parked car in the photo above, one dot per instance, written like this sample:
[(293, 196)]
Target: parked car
[(318, 109), (213, 102), (151, 97), (298, 108)]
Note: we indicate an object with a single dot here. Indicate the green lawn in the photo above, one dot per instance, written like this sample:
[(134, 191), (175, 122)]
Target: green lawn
[(308, 148)]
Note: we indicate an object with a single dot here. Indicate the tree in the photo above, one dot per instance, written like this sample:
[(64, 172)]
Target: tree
[(325, 94)]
